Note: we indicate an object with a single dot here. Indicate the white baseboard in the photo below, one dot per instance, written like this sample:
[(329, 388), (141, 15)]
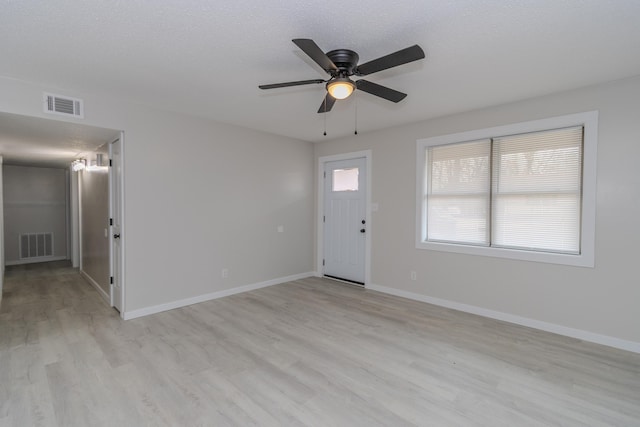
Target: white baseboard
[(35, 260), (127, 315), (511, 318), (95, 284)]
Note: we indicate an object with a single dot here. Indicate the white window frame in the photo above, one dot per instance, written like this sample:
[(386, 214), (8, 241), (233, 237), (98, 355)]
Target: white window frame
[(586, 257)]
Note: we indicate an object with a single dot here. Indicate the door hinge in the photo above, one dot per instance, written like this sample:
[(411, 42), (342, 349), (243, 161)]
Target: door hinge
[(110, 221), (322, 262), (111, 280), (325, 174), (110, 162), (323, 219)]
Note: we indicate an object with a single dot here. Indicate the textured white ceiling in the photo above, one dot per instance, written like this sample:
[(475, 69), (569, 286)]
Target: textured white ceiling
[(207, 57)]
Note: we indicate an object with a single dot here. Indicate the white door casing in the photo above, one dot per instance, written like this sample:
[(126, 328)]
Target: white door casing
[(345, 219), (115, 206)]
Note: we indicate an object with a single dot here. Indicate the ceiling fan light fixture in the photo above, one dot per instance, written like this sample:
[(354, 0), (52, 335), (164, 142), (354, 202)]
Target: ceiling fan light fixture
[(340, 88)]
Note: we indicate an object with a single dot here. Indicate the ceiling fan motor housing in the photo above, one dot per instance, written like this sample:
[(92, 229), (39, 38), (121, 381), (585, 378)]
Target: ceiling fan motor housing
[(346, 60)]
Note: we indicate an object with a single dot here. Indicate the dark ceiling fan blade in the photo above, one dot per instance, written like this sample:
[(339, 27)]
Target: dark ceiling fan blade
[(327, 104), (410, 54), (310, 47), (381, 91), (287, 84)]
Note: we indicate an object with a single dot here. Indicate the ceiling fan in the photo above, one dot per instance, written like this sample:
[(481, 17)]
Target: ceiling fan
[(341, 64)]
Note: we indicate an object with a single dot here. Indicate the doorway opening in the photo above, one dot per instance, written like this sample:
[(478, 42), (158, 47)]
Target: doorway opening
[(82, 231)]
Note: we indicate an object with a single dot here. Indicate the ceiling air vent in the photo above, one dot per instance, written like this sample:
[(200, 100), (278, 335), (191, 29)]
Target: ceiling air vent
[(64, 105)]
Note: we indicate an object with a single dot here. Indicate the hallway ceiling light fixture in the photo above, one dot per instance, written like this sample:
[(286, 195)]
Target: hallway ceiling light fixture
[(98, 164), (78, 165)]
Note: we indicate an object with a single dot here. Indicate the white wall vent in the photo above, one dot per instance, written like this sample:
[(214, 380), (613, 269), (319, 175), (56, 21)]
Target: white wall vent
[(36, 245), (64, 105)]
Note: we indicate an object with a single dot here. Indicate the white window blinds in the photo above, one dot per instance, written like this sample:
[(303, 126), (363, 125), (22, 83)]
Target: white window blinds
[(458, 192), (536, 190), (519, 192)]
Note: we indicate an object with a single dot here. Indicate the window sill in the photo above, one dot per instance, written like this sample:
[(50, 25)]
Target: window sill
[(580, 260)]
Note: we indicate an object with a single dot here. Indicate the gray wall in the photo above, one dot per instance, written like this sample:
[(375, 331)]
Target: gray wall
[(94, 223), (601, 300), (200, 196), (35, 201)]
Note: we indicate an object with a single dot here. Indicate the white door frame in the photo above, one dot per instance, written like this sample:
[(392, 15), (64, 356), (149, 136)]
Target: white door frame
[(320, 225), (1, 231), (113, 273), (74, 201)]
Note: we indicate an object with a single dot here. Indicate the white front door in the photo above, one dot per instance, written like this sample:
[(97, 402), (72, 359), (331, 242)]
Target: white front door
[(115, 182), (345, 219)]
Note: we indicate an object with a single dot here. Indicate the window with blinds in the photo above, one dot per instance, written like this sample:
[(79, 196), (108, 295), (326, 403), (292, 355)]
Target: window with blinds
[(458, 182), (536, 190), (506, 194)]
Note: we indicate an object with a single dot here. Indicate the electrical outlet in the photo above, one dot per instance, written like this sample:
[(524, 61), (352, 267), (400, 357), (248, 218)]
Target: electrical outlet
[(225, 273), (414, 276)]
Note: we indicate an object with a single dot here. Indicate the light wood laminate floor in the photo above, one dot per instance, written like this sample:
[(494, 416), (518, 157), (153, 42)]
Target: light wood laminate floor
[(310, 352)]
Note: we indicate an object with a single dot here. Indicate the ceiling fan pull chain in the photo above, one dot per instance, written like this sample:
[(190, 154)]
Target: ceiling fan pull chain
[(355, 132), (325, 116)]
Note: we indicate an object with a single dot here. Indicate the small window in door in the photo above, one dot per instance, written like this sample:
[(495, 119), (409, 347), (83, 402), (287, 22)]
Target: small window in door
[(345, 179)]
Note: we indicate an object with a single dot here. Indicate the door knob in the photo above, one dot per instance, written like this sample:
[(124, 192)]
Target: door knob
[(362, 230), (116, 236)]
